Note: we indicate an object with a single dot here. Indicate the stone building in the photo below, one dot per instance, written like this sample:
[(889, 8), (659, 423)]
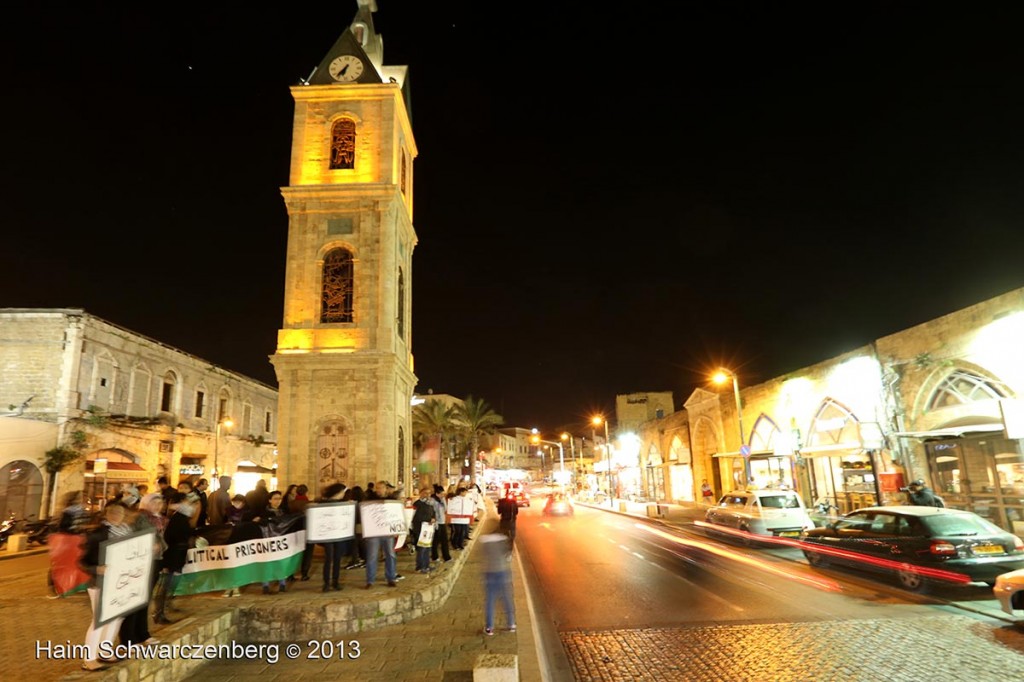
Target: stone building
[(344, 353), (138, 406), (938, 401)]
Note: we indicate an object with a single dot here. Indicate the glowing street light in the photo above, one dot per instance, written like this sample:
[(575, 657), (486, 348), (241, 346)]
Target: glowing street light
[(597, 421), (572, 449), (720, 377)]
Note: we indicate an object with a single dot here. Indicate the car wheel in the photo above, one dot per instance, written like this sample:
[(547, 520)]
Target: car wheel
[(815, 559), (747, 540), (912, 581)]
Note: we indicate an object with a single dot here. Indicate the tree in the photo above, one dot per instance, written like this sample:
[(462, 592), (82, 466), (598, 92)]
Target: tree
[(432, 419), (477, 419), (55, 460)]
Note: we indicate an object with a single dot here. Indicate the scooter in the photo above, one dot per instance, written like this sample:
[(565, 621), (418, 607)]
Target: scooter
[(8, 527), (39, 531)]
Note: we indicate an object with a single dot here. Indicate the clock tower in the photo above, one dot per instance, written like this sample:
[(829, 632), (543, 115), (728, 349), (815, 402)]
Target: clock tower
[(344, 361)]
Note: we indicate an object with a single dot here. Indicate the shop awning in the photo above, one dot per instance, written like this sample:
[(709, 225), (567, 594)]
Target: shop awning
[(835, 450), (119, 471), (253, 469), (952, 431), (756, 454)]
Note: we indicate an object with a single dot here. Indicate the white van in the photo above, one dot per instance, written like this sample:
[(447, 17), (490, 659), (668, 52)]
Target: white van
[(779, 513)]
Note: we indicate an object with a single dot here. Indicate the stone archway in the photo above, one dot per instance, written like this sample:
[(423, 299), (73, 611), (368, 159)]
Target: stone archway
[(21, 489)]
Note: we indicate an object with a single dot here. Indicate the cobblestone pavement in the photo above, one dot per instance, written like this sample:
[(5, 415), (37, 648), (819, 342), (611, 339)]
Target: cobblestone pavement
[(942, 647)]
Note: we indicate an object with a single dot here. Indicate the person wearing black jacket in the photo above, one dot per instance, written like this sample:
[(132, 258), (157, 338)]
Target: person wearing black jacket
[(922, 496), (424, 514), (176, 535), (113, 526)]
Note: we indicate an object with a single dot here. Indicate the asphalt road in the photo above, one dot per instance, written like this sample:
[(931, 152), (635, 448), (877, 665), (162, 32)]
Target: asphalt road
[(618, 590)]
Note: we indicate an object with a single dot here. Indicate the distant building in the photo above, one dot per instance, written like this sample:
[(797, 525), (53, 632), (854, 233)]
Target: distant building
[(633, 409), (141, 407)]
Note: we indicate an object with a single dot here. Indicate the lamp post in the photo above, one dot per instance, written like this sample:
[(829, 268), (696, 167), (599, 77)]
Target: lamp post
[(537, 440), (227, 423), (607, 456), (572, 451), (720, 377)]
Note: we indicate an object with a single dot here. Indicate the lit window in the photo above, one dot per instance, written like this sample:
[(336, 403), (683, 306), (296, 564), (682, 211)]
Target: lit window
[(337, 291)]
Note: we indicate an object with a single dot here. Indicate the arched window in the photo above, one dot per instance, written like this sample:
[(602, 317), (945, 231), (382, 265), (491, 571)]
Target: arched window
[(962, 387), (762, 437), (167, 393), (343, 144), (337, 292), (21, 489), (401, 303)]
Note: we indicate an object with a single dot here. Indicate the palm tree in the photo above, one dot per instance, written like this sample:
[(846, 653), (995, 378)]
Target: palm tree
[(432, 419), (476, 419)]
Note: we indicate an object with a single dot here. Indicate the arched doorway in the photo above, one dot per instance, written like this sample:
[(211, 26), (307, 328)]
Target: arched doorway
[(21, 489)]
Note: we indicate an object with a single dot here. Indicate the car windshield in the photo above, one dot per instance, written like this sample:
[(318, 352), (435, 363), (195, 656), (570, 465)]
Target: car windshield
[(780, 502), (960, 524)]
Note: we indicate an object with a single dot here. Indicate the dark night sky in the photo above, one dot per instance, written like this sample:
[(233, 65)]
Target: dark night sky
[(607, 201)]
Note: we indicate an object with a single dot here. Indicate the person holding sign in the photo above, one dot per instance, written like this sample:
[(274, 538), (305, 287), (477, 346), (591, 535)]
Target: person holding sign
[(113, 526), (382, 520), (335, 549), (460, 512), (423, 520)]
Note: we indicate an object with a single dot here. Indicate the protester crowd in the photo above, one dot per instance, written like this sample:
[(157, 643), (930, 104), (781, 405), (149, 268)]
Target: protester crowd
[(187, 516)]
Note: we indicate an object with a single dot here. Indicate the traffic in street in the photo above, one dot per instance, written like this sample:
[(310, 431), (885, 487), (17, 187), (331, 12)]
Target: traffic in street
[(633, 598)]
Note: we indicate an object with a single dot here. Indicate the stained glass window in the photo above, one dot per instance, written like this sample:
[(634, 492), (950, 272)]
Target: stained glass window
[(343, 144)]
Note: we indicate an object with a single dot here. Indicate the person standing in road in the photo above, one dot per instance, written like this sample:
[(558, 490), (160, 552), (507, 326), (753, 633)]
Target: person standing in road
[(706, 493), (498, 579), (219, 503), (508, 510)]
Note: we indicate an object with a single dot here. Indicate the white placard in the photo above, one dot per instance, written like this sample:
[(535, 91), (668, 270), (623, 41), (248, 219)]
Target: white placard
[(461, 510), (127, 574), (426, 538), (330, 521), (382, 517)]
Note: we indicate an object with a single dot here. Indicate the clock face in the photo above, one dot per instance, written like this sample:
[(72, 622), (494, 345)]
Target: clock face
[(346, 68)]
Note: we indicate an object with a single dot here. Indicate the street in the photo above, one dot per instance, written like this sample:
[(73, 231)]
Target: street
[(632, 599)]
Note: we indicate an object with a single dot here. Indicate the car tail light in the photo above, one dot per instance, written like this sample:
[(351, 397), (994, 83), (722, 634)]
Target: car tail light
[(942, 548)]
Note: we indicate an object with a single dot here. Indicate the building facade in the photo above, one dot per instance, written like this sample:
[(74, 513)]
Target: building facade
[(344, 354), (138, 408)]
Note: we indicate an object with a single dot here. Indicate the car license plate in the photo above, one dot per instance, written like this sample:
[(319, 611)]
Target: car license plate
[(988, 549), (789, 533)]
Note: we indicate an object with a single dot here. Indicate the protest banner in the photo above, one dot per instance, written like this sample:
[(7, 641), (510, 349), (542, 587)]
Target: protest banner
[(125, 580), (330, 521), (65, 573), (272, 552), (426, 538)]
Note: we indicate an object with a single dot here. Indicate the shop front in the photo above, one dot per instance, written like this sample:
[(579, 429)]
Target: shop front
[(840, 459), (109, 471), (978, 469)]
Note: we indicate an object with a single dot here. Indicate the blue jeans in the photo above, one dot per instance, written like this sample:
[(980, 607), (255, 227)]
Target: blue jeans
[(373, 547), (422, 558), (499, 584)]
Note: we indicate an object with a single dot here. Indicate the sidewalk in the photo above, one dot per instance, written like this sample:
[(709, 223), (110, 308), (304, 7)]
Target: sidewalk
[(429, 627)]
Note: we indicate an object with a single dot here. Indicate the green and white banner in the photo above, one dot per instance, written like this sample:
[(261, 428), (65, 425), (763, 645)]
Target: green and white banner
[(222, 567)]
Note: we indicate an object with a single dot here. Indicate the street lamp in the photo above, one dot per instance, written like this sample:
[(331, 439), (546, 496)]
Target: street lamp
[(572, 450), (597, 421), (720, 377), (227, 423)]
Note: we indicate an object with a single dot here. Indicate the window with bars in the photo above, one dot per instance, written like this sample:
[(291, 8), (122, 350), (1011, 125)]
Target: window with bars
[(343, 144), (337, 288), (962, 387)]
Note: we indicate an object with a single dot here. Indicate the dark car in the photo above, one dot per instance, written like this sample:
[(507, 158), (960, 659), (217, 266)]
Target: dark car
[(918, 544), (558, 505)]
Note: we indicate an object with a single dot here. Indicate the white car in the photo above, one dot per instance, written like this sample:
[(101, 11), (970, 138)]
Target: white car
[(1009, 590), (778, 513)]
